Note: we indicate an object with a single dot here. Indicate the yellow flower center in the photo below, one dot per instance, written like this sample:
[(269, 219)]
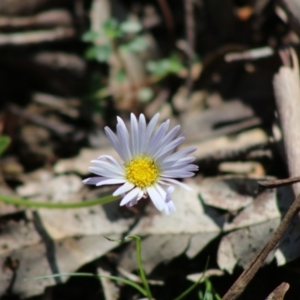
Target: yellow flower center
[(142, 171)]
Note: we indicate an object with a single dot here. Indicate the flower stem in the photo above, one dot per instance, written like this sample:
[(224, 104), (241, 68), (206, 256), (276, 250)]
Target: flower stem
[(140, 264), (51, 205)]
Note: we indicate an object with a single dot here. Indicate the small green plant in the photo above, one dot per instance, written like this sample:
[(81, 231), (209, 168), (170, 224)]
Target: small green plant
[(166, 66), (121, 35), (144, 288), (4, 143), (209, 293), (115, 37)]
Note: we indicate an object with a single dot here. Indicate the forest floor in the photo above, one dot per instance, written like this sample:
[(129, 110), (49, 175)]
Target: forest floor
[(69, 68)]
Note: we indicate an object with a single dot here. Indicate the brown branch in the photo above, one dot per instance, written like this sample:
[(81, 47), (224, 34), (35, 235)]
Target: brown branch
[(51, 18), (287, 95), (278, 182), (190, 36), (34, 37), (239, 286), (168, 18), (279, 292)]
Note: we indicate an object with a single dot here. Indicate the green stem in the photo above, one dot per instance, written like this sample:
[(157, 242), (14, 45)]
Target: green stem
[(140, 264), (193, 286), (113, 278), (51, 205)]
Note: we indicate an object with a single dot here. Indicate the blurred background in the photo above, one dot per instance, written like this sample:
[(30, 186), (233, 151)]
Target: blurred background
[(68, 68)]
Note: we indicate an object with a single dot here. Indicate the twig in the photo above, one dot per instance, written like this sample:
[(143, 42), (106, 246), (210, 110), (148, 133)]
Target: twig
[(58, 128), (252, 54), (35, 37), (239, 286), (279, 292), (287, 94), (51, 18), (190, 36), (278, 182), (164, 6)]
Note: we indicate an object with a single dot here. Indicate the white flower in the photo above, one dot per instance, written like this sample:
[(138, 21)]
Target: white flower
[(149, 162)]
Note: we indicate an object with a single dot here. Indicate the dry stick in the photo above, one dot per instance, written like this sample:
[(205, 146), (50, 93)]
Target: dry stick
[(278, 182), (239, 286), (287, 94), (279, 292), (190, 36)]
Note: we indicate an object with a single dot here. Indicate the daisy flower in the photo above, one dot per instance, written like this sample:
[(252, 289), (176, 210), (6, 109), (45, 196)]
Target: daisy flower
[(150, 162)]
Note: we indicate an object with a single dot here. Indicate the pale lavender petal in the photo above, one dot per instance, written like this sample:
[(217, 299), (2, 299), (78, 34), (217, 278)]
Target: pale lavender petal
[(186, 160), (161, 191), (180, 154), (107, 165), (170, 136), (124, 140), (177, 174), (132, 202), (135, 200), (151, 127), (155, 197), (174, 181), (157, 137), (115, 142), (170, 207), (105, 172), (123, 189), (170, 147), (141, 194), (130, 196), (142, 134), (112, 160), (134, 135), (179, 163), (93, 180), (170, 190), (183, 167), (123, 127), (109, 181)]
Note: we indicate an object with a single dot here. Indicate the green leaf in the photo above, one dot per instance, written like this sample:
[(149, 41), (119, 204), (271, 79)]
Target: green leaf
[(156, 67), (175, 64), (137, 45), (99, 53), (165, 66), (90, 36), (4, 143), (121, 76), (145, 94), (131, 26), (111, 29)]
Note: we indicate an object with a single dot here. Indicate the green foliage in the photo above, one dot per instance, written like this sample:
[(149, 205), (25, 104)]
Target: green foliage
[(131, 26), (209, 293), (4, 143), (144, 288), (99, 53), (165, 66), (136, 45), (145, 94), (138, 246), (118, 37), (124, 35)]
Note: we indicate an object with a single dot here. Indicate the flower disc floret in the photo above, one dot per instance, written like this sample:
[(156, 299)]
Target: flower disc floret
[(142, 171)]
